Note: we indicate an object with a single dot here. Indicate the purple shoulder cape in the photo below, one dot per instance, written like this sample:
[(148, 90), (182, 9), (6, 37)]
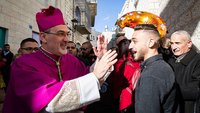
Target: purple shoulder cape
[(34, 81)]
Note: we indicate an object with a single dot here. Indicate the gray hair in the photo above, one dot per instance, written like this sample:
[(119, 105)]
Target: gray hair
[(187, 35), (182, 32)]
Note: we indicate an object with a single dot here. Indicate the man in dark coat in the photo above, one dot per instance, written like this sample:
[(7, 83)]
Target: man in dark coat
[(155, 89), (186, 65), (7, 56)]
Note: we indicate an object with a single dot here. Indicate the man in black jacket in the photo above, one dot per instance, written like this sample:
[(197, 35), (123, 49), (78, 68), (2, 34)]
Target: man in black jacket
[(7, 56), (155, 89), (186, 65)]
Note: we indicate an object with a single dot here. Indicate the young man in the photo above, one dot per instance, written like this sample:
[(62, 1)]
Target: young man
[(85, 51), (186, 65), (50, 80), (28, 45), (71, 48), (155, 89)]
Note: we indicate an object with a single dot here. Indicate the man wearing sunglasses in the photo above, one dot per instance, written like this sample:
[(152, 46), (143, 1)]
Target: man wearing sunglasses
[(86, 48), (85, 51), (50, 80)]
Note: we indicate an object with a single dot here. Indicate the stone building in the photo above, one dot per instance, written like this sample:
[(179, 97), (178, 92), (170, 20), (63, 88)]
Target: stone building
[(83, 19), (17, 19), (93, 37), (178, 15)]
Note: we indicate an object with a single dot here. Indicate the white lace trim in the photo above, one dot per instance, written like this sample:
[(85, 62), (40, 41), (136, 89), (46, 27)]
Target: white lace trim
[(67, 99)]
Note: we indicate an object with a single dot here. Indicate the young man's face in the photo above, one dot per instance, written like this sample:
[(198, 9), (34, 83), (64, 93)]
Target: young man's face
[(138, 45), (71, 48), (55, 40), (29, 47), (7, 48), (180, 44)]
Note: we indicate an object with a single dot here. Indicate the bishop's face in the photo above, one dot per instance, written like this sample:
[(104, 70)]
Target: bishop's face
[(55, 40), (138, 45)]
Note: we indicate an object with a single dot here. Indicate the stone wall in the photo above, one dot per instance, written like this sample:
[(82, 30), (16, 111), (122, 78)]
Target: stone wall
[(178, 15), (18, 17), (183, 15)]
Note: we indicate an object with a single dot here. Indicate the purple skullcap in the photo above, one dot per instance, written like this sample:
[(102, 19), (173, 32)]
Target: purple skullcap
[(49, 18)]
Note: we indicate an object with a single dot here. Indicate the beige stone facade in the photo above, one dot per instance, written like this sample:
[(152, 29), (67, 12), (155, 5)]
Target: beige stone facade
[(178, 15), (18, 18)]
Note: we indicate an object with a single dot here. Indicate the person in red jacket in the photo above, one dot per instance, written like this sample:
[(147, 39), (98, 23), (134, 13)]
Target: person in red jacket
[(125, 75)]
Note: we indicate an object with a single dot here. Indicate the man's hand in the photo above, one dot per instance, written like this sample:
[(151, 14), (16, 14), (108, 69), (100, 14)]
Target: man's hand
[(102, 65), (101, 46)]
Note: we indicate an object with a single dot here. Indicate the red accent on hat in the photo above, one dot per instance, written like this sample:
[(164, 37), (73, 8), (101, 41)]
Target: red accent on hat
[(49, 18)]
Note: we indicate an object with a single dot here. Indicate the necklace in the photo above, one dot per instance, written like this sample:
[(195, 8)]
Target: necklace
[(57, 63)]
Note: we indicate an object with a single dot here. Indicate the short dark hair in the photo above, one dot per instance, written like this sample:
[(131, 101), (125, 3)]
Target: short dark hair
[(146, 27), (88, 43), (6, 45), (71, 42), (27, 40), (149, 27)]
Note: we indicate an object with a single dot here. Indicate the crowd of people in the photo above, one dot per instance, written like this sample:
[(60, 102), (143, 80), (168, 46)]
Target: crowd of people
[(147, 74)]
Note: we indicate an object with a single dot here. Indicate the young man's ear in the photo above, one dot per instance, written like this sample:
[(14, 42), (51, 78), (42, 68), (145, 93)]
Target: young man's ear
[(43, 37), (151, 43)]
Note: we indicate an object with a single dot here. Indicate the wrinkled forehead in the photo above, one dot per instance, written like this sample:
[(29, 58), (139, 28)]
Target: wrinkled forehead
[(63, 28), (179, 38)]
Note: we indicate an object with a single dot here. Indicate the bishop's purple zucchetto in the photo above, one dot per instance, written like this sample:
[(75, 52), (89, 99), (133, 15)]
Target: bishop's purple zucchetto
[(49, 18)]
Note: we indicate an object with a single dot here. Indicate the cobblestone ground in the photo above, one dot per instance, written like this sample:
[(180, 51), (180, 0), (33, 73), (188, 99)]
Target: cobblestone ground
[(2, 96)]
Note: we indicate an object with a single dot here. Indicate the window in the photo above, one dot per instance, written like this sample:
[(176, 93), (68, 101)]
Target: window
[(35, 36), (2, 36), (78, 14)]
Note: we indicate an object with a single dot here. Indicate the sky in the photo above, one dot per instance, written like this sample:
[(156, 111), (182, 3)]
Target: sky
[(107, 14)]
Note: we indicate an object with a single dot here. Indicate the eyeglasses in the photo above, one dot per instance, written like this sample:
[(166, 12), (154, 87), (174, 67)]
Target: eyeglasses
[(60, 33), (31, 49), (71, 47), (83, 49)]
